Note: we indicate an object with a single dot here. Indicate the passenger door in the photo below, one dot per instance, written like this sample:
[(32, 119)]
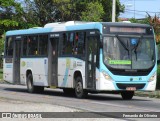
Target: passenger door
[(91, 59), (16, 60), (53, 60)]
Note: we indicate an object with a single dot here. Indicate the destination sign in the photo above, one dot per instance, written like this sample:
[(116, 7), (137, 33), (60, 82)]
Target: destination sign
[(128, 30), (125, 30)]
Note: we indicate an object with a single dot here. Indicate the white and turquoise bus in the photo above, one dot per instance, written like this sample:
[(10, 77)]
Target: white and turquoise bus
[(83, 57)]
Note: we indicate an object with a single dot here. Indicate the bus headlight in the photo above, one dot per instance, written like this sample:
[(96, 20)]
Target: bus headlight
[(153, 77), (106, 76)]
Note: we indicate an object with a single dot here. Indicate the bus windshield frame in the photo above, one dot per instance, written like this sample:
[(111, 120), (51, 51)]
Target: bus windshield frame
[(131, 47)]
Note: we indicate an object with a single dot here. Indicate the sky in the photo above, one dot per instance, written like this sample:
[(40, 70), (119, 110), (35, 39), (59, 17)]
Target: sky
[(138, 8)]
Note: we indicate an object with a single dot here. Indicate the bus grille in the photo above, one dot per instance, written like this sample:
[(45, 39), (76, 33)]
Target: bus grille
[(124, 86)]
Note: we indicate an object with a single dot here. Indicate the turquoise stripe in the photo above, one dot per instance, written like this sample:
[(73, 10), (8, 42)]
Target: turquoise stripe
[(65, 78)]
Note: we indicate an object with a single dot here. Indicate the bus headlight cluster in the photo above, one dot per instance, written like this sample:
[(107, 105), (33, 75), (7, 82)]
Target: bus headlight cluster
[(153, 77), (106, 76)]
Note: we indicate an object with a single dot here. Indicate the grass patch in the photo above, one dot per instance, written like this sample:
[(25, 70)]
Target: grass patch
[(158, 77), (1, 74), (154, 94)]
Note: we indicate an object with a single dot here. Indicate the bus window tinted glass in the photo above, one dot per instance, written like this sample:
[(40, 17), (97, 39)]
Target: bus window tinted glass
[(32, 45), (25, 46), (9, 47), (79, 46), (43, 44), (68, 43)]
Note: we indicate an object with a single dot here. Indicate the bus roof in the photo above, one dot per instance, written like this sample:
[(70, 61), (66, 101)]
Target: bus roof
[(69, 26), (56, 27)]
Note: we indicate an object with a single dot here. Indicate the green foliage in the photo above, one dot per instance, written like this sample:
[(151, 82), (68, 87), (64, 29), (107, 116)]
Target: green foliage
[(107, 7), (1, 44), (41, 12), (94, 12), (143, 21), (155, 22), (8, 23), (158, 78), (6, 3), (9, 15), (1, 74), (1, 50)]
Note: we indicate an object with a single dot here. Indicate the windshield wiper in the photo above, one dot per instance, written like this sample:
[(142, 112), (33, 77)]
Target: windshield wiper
[(122, 44)]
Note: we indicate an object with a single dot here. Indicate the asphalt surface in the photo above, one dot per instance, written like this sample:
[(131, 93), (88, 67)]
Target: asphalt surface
[(93, 103)]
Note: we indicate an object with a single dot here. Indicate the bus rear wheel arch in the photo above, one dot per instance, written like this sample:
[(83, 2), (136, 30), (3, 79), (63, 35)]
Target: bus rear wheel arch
[(127, 95), (30, 86)]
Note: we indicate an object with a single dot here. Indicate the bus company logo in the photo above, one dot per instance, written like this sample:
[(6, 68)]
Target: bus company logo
[(23, 63), (131, 79), (6, 115)]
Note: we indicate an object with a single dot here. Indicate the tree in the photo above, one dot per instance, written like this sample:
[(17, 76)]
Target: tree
[(155, 22), (93, 12), (8, 9), (80, 9), (41, 12), (2, 44), (107, 7), (142, 21)]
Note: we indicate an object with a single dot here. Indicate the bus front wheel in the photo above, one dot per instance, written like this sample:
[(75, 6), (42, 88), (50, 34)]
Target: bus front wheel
[(79, 91), (31, 88), (127, 95)]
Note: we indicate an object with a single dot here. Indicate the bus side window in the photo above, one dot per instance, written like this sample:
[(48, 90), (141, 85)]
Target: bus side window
[(9, 47), (43, 45), (67, 43), (32, 45), (63, 43), (79, 47), (25, 46)]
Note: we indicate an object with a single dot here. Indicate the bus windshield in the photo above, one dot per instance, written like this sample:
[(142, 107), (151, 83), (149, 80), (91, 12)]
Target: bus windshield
[(132, 52)]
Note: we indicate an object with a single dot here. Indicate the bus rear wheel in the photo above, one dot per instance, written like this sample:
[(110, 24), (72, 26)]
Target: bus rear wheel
[(31, 88), (79, 91), (127, 95)]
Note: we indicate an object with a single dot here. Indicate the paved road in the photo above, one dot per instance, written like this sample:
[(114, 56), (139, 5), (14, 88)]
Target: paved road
[(94, 102)]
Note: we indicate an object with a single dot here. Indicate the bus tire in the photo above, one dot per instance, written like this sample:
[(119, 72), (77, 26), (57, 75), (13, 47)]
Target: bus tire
[(31, 88), (127, 95), (79, 91)]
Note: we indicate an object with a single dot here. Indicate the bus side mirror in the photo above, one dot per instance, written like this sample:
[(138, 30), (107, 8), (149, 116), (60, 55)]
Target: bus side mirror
[(158, 53)]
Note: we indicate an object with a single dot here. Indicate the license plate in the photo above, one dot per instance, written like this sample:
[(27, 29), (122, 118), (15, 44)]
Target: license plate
[(131, 88)]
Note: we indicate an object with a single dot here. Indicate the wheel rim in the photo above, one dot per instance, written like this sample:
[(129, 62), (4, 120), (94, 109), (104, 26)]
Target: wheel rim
[(79, 88)]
